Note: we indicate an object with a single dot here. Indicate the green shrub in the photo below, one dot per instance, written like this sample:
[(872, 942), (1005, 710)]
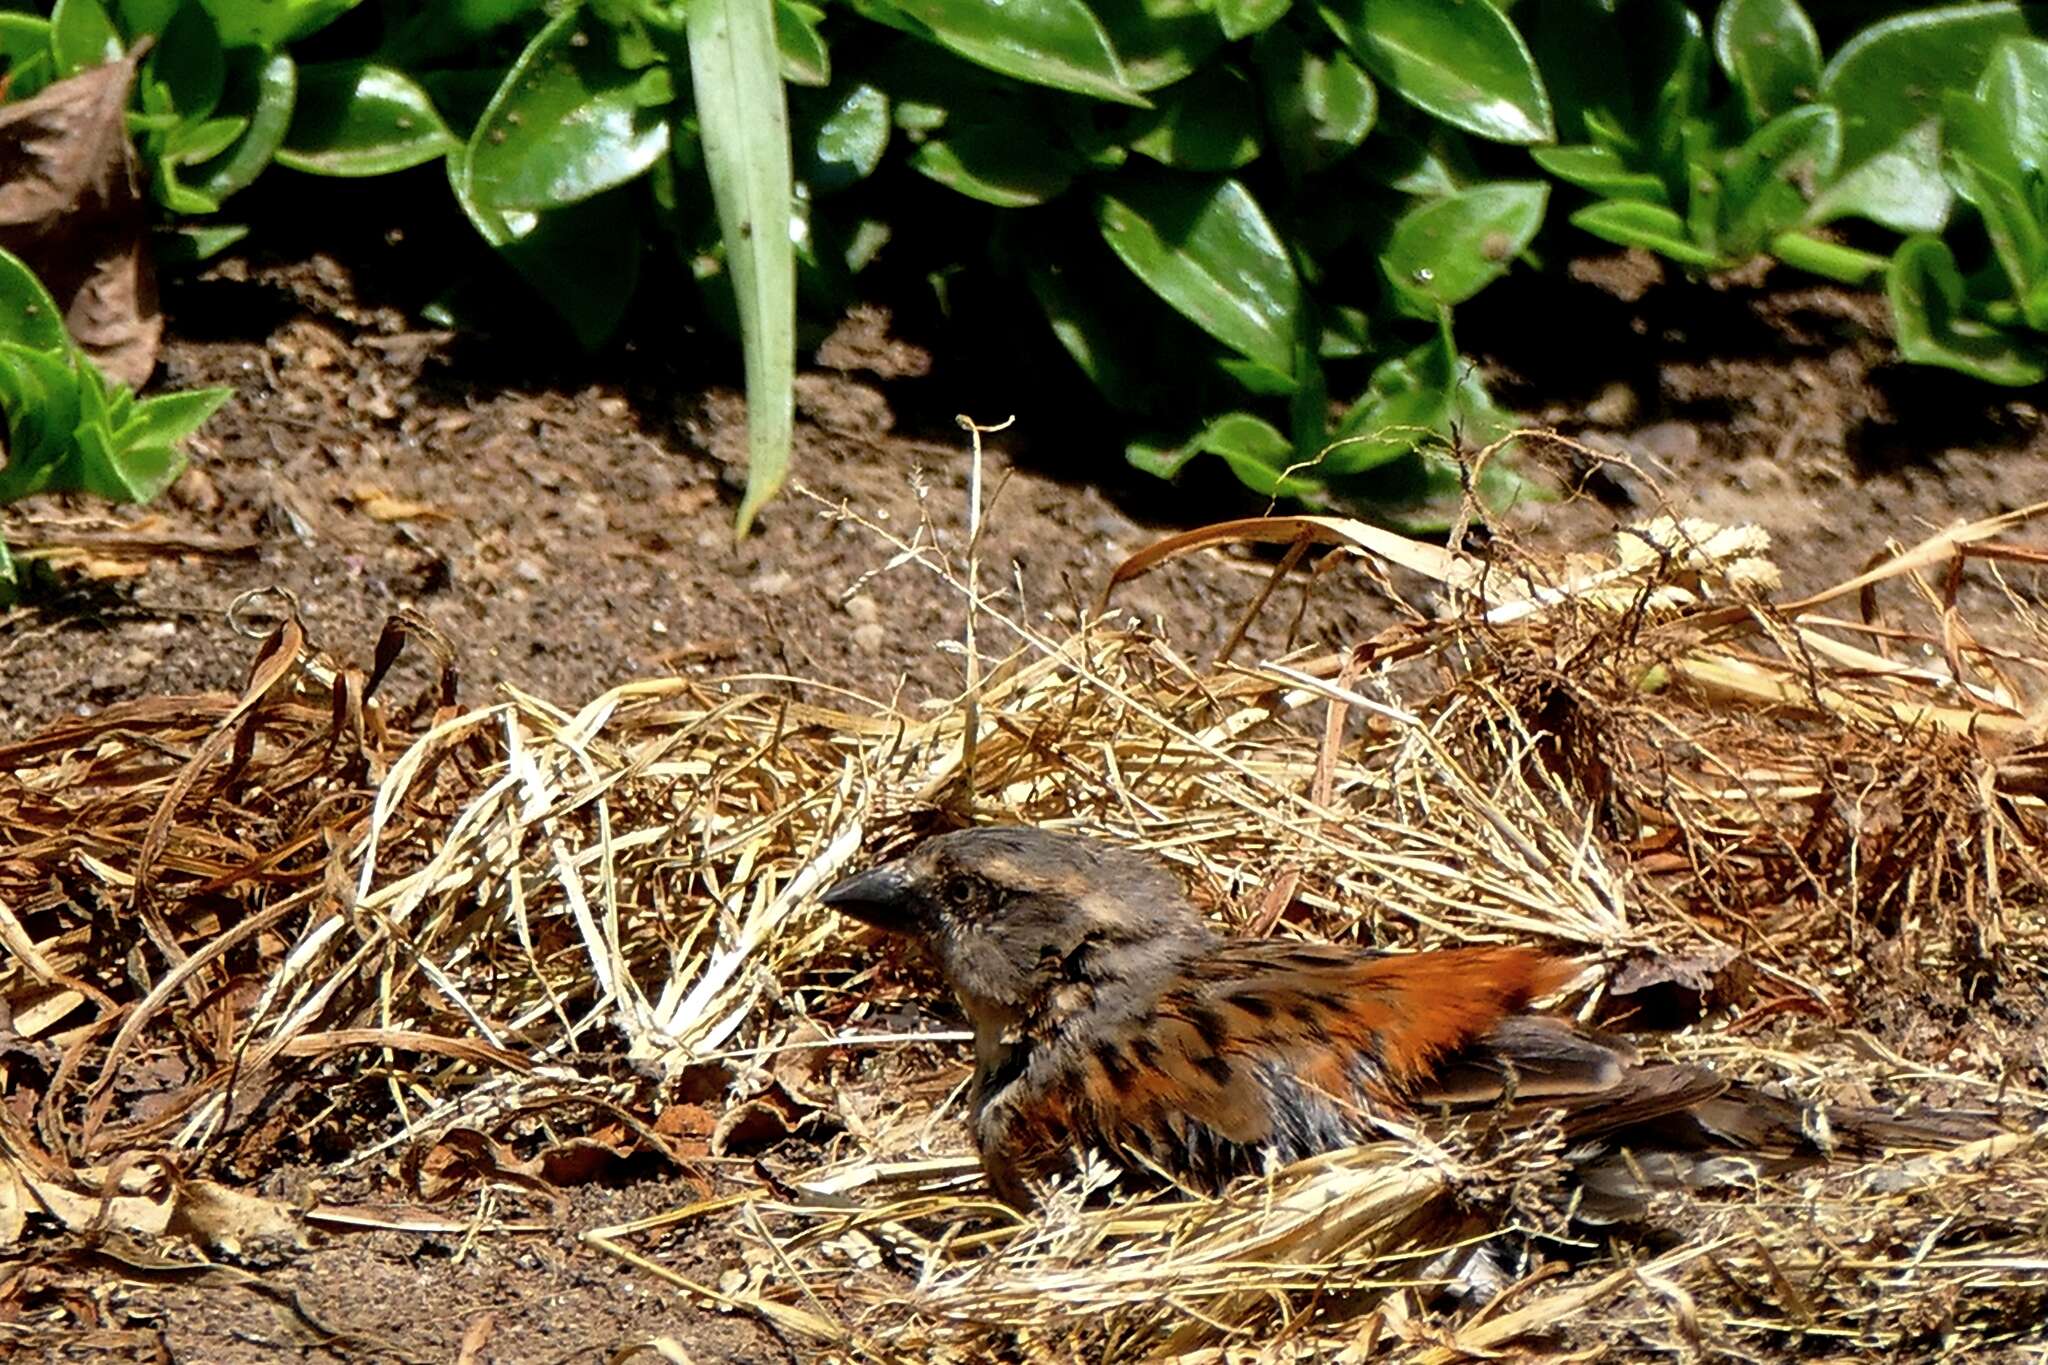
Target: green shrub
[(68, 428), (1249, 222)]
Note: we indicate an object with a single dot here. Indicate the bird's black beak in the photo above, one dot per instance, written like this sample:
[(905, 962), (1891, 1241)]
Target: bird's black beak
[(880, 896)]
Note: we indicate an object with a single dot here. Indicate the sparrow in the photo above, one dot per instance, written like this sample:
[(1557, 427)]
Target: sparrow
[(1107, 1014)]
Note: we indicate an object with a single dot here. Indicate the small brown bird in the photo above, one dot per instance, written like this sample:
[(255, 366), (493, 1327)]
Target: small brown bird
[(1107, 1014)]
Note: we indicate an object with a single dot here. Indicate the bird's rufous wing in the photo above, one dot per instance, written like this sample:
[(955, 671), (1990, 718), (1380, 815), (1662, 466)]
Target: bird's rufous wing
[(1282, 1050)]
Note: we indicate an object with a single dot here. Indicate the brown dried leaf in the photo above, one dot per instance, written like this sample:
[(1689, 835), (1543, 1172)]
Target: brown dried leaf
[(71, 206)]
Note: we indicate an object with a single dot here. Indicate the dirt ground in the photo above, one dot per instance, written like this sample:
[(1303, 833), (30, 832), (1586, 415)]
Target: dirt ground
[(571, 532)]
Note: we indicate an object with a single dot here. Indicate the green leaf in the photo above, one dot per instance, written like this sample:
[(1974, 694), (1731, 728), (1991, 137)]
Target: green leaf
[(438, 29), (1770, 52), (191, 244), (28, 315), (996, 166), (1205, 247), (270, 24), (1888, 79), (845, 144), (26, 56), (1602, 171), (1461, 60), (1773, 178), (41, 390), (805, 60), (359, 118), (189, 62), (1321, 105), (190, 143), (588, 289), (571, 120), (267, 88), (2018, 237), (1647, 225), (1159, 42), (1059, 43), (82, 36), (1586, 60), (1830, 260), (1926, 293), (2014, 92), (1408, 401), (1100, 341), (744, 124), (1256, 451), (1444, 252), (170, 418), (1901, 187), (1243, 18), (1209, 122)]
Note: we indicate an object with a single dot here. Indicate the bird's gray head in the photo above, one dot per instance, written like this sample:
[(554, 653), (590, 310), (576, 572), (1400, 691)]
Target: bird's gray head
[(1022, 920)]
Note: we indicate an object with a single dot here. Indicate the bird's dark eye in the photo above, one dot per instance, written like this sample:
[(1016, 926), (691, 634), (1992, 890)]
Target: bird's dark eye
[(957, 891)]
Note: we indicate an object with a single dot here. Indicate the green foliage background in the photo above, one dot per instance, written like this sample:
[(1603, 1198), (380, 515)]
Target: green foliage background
[(1248, 222)]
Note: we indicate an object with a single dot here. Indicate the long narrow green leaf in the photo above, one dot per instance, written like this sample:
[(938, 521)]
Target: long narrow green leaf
[(743, 118)]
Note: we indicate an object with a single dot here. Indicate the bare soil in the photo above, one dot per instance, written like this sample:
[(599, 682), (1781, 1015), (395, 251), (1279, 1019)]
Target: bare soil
[(567, 522)]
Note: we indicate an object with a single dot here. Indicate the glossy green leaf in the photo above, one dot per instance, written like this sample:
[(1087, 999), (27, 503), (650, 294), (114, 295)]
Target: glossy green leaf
[(192, 244), (1409, 400), (1321, 105), (1209, 122), (82, 35), (41, 393), (1347, 333), (1681, 67), (571, 120), (1444, 252), (28, 315), (266, 87), (436, 30), (1159, 42), (270, 24), (1771, 54), (1206, 248), (589, 290), (1888, 79), (744, 125), (842, 143), (1256, 451), (359, 118), (1927, 299), (805, 60), (1091, 331), (1771, 182), (190, 143), (170, 418), (189, 61), (1602, 171), (1059, 43), (1243, 18), (996, 166), (137, 17), (25, 54), (166, 183), (1901, 187), (1650, 226), (1830, 260), (1461, 60), (2014, 91), (2018, 236), (1586, 61)]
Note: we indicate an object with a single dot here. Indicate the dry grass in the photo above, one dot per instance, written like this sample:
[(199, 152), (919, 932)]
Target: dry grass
[(459, 948)]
